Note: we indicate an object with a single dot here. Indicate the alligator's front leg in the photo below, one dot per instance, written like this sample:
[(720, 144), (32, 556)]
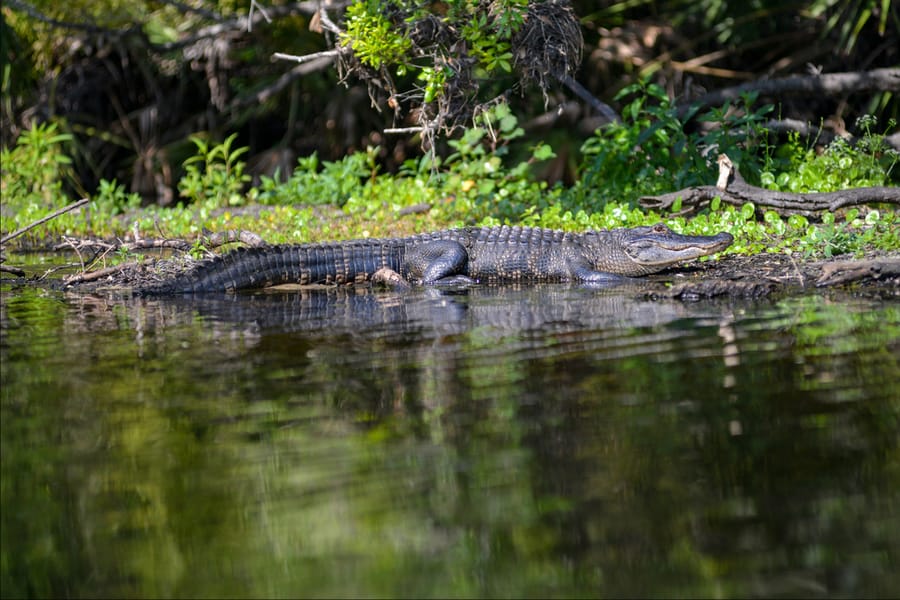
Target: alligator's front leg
[(439, 262), (583, 272)]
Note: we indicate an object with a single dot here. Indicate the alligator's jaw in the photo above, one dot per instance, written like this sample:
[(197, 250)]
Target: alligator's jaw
[(659, 247)]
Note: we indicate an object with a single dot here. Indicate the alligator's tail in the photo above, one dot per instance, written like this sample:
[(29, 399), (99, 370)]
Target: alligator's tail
[(250, 268)]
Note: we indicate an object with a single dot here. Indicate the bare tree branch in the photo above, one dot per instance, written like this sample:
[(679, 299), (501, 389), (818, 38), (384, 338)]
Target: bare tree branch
[(305, 58), (323, 61), (830, 84), (579, 90), (857, 270)]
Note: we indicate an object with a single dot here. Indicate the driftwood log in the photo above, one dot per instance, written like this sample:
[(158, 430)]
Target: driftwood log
[(732, 188)]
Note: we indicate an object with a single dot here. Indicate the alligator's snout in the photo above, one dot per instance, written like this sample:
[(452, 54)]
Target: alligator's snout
[(659, 246), (718, 242)]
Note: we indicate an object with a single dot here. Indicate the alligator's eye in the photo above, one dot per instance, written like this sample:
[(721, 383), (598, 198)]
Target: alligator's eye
[(660, 228)]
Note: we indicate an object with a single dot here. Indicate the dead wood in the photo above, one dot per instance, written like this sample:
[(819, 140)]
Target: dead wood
[(732, 188), (598, 105), (209, 240), (857, 270), (14, 270), (829, 84), (86, 276)]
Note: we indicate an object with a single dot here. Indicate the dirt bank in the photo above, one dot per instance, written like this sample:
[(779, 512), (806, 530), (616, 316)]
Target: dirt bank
[(755, 276)]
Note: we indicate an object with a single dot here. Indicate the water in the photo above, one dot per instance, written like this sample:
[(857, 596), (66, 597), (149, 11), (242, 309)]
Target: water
[(531, 442)]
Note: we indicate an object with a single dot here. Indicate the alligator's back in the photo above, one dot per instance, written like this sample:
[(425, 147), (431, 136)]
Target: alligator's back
[(518, 253)]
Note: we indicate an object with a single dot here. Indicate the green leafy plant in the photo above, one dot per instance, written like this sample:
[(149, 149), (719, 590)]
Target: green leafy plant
[(33, 173), (491, 50), (332, 182), (215, 177), (870, 162), (112, 199), (374, 40), (649, 152)]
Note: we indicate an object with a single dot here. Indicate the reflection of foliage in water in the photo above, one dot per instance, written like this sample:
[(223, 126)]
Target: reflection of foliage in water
[(151, 449)]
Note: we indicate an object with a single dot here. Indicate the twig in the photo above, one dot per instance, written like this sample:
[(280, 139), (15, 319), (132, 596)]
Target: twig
[(402, 130), (327, 23), (52, 215), (255, 5), (304, 58), (263, 95), (76, 249)]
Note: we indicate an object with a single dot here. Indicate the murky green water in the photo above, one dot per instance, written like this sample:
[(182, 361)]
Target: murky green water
[(541, 441)]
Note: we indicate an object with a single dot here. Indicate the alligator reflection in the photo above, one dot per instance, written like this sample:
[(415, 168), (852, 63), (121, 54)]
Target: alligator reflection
[(537, 441), (537, 309)]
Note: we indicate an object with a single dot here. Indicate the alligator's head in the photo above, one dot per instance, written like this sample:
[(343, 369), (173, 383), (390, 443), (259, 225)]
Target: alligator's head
[(644, 250)]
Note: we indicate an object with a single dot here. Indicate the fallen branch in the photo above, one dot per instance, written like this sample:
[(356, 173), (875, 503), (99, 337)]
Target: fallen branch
[(52, 215), (828, 84), (857, 270), (101, 273), (732, 188), (220, 238), (14, 270)]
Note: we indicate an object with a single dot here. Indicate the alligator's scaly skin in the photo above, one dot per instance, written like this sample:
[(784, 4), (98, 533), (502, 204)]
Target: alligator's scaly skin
[(472, 254)]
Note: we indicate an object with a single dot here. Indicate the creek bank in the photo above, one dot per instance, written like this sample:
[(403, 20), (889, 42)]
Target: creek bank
[(757, 276)]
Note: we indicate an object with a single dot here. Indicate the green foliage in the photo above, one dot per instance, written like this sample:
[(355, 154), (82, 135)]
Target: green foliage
[(853, 236), (841, 166), (112, 199), (373, 38), (33, 174), (650, 153), (489, 39), (848, 19), (214, 176), (477, 179), (440, 44), (334, 184)]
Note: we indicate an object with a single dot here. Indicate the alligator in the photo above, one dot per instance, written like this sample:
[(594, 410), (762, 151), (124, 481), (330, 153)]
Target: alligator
[(462, 256)]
